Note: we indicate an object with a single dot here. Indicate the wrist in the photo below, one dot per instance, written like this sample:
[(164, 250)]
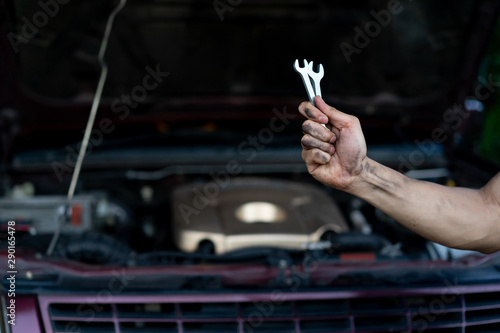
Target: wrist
[(375, 179), (365, 179)]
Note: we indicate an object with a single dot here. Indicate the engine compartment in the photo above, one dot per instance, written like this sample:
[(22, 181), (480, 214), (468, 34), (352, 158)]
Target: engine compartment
[(142, 223)]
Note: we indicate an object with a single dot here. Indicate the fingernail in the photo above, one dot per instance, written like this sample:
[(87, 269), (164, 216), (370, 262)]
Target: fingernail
[(332, 150), (323, 119), (332, 140)]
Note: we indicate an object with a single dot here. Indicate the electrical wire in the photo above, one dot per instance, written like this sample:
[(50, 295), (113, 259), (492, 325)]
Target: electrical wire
[(90, 122)]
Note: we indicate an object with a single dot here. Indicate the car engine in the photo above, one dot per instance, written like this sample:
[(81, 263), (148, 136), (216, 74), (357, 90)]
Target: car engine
[(200, 219)]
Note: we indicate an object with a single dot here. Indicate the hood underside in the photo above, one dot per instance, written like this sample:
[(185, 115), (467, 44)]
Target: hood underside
[(377, 55)]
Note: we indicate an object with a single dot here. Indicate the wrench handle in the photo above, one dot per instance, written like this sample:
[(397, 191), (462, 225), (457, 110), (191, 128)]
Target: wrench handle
[(309, 88)]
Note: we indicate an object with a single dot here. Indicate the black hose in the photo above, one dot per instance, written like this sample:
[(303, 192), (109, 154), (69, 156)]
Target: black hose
[(93, 248)]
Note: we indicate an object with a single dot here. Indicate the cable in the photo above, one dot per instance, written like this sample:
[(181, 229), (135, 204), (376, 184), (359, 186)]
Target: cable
[(90, 122)]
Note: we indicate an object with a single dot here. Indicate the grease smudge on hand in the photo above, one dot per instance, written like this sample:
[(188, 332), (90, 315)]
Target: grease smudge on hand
[(309, 114)]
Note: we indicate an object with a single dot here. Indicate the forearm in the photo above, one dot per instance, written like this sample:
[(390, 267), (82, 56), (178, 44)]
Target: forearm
[(455, 217)]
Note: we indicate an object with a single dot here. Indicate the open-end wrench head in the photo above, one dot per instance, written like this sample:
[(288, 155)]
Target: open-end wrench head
[(315, 75), (301, 70)]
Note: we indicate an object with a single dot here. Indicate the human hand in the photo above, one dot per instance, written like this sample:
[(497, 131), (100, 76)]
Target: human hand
[(334, 157)]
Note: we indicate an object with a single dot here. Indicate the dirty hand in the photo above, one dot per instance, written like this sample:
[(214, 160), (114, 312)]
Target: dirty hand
[(334, 157)]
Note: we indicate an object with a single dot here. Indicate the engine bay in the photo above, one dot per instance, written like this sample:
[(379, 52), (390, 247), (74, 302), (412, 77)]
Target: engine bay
[(182, 220)]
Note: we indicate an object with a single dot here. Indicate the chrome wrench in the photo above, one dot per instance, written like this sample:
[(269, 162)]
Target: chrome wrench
[(316, 77), (307, 73), (304, 72)]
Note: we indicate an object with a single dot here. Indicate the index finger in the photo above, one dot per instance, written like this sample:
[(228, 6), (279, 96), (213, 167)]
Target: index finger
[(313, 113)]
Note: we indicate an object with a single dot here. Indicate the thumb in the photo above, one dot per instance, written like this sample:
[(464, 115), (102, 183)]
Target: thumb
[(337, 118)]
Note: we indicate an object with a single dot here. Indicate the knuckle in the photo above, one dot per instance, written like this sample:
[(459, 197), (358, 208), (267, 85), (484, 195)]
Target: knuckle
[(318, 154), (307, 126), (303, 105), (307, 140), (354, 120)]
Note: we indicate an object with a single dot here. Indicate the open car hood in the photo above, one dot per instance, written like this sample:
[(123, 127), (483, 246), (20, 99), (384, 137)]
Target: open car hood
[(180, 63), (394, 59)]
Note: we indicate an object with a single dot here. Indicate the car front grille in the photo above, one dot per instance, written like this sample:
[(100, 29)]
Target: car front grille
[(444, 310)]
